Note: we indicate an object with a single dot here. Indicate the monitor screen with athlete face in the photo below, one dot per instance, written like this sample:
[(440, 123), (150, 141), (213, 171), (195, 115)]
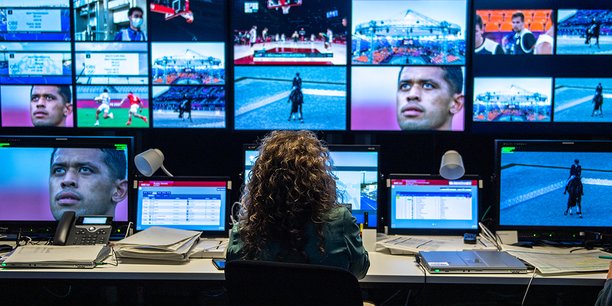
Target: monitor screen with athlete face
[(44, 176), (554, 184)]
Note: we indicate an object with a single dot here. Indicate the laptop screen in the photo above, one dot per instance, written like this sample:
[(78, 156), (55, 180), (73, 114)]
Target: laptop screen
[(182, 203), (430, 204)]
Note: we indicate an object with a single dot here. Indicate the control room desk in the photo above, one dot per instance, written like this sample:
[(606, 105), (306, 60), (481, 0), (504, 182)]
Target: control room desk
[(384, 268), (145, 284)]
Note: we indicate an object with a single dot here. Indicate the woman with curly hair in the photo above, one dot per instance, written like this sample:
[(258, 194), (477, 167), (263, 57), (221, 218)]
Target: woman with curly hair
[(289, 210)]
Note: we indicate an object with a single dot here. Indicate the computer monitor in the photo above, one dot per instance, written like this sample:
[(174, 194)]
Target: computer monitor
[(43, 176), (556, 185), (190, 203), (356, 171), (426, 204)]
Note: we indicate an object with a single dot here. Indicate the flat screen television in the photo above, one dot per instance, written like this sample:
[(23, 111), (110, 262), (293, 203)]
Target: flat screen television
[(356, 171), (554, 185), (43, 176)]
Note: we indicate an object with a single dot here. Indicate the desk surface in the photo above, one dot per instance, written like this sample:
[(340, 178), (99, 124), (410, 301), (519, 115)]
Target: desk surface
[(384, 268)]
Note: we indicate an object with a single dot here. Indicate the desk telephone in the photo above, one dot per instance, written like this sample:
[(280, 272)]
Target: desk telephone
[(83, 230)]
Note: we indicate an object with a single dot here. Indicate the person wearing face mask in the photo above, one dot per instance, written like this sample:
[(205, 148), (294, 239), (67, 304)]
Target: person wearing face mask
[(133, 32)]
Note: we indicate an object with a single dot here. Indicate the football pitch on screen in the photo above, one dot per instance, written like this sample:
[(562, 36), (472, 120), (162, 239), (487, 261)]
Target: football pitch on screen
[(87, 118)]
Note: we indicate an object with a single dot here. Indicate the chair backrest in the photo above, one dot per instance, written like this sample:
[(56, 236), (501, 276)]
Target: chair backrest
[(254, 282)]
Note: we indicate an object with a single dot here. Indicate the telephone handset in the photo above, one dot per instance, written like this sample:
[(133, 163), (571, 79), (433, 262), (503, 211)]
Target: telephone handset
[(83, 230)]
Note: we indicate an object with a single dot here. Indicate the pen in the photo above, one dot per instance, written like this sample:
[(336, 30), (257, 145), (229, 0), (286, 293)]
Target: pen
[(605, 257)]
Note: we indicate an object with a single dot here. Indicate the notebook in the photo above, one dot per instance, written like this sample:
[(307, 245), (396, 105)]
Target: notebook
[(188, 203), (470, 262), (431, 205), (57, 256)]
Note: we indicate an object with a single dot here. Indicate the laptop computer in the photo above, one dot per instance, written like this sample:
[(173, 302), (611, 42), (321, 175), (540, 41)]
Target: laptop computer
[(57, 256), (470, 262)]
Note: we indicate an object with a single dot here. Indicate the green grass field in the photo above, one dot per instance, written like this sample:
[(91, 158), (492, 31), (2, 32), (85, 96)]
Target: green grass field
[(87, 117)]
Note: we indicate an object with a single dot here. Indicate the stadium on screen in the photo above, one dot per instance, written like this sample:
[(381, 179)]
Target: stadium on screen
[(414, 39), (511, 103)]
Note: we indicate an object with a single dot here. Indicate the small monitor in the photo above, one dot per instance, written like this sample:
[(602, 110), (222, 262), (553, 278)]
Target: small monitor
[(558, 186), (43, 176), (190, 203), (356, 171), (425, 204)]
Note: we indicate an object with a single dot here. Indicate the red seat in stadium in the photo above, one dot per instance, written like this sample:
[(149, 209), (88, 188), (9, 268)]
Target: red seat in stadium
[(537, 27), (491, 27), (506, 27)]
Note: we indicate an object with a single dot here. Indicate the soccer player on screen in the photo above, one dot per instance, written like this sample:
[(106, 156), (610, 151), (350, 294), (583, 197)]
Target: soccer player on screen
[(133, 32), (87, 181), (429, 97), (104, 99), (521, 41), (50, 105), (484, 45), (135, 107)]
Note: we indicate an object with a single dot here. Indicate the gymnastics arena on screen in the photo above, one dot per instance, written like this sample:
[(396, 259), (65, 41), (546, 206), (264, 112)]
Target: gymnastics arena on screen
[(409, 32), (584, 32), (290, 32), (575, 99), (512, 99), (189, 106), (532, 189), (88, 102), (263, 98)]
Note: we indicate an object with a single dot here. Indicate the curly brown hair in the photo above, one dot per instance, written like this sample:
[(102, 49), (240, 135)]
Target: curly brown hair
[(291, 183)]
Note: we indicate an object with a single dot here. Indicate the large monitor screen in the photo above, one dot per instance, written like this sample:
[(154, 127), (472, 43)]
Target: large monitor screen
[(525, 77), (42, 177), (290, 32), (554, 184), (356, 171), (191, 203), (132, 64), (429, 205)]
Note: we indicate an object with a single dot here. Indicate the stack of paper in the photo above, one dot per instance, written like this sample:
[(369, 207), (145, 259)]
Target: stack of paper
[(209, 248), (410, 245), (158, 243), (557, 261)]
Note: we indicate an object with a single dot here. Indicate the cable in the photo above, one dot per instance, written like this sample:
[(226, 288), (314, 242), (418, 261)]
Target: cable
[(485, 232), (233, 219), (529, 285), (58, 295)]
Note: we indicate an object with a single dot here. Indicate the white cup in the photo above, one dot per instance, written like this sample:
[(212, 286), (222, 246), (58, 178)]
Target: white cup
[(368, 235)]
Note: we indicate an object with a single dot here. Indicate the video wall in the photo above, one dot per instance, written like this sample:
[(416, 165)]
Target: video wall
[(361, 65)]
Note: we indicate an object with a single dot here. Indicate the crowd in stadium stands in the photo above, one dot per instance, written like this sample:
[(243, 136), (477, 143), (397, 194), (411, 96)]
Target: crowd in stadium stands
[(429, 51), (579, 22), (185, 76), (204, 98)]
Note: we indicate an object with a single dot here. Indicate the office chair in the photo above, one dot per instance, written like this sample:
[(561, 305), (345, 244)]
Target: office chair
[(253, 282)]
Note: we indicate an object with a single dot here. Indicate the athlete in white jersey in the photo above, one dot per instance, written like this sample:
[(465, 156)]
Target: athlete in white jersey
[(104, 99)]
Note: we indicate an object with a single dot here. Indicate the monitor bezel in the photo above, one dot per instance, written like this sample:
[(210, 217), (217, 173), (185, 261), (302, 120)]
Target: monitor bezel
[(42, 230), (205, 233), (431, 231)]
